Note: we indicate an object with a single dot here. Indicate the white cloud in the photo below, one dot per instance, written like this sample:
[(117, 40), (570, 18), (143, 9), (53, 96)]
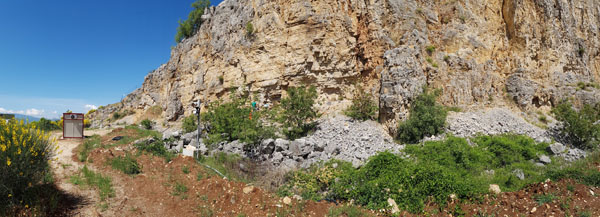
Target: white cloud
[(3, 110), (34, 112), (30, 112), (90, 107)]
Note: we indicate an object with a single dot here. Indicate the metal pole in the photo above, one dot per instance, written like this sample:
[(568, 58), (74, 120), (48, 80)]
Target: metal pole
[(198, 136)]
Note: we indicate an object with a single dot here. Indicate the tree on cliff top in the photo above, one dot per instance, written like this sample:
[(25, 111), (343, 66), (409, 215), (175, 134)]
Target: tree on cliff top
[(189, 27)]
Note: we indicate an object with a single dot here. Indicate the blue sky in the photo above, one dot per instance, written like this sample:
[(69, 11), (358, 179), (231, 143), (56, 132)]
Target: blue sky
[(78, 54)]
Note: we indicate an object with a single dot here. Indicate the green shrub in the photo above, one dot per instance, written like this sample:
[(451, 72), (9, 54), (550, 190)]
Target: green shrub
[(579, 126), (387, 175), (235, 120), (87, 177), (117, 115), (147, 124), (426, 118), (190, 26), (126, 164), (249, 28), (318, 178), (298, 112), (509, 149), (157, 148), (46, 125), (24, 160), (189, 124), (363, 107), (430, 49)]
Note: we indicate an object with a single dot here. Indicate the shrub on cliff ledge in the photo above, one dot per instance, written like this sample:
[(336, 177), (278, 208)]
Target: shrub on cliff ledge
[(362, 108), (235, 120), (190, 26), (579, 126), (189, 124), (298, 112), (426, 118)]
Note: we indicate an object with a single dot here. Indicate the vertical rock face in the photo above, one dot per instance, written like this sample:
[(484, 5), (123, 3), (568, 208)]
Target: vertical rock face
[(480, 53)]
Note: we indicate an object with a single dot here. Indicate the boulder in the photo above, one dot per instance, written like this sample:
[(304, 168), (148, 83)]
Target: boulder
[(545, 159), (300, 147), (281, 145), (519, 173), (394, 206), (267, 146), (248, 189), (556, 148), (494, 188)]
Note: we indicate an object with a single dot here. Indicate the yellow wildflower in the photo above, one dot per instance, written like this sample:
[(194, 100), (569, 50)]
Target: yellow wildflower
[(9, 195), (21, 174), (26, 206), (3, 147), (19, 151)]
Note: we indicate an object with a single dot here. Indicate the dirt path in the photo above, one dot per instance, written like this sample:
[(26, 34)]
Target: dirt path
[(64, 167)]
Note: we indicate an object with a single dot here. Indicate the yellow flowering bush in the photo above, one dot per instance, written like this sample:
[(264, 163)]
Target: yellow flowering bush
[(25, 154)]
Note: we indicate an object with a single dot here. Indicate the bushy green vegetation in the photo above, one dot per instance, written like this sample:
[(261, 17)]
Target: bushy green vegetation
[(426, 118), (432, 172), (147, 124), (584, 170), (297, 111), (363, 107), (47, 125), (126, 164), (25, 154), (310, 183), (190, 26), (89, 178), (235, 120), (579, 126), (157, 148), (189, 124)]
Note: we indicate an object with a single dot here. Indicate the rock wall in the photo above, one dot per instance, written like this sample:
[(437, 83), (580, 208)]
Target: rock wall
[(528, 54)]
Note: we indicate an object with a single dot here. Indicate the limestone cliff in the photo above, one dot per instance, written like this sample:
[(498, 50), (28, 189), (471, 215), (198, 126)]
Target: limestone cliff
[(527, 54)]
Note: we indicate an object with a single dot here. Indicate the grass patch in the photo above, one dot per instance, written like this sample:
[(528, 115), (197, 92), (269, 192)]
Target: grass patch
[(228, 165), (89, 178), (185, 169), (126, 164), (88, 145), (542, 199), (179, 190)]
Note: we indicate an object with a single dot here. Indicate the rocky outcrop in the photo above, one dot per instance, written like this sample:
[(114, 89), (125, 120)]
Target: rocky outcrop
[(336, 137), (480, 53)]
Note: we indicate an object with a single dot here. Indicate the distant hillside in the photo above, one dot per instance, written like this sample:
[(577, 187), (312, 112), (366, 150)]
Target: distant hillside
[(21, 117)]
